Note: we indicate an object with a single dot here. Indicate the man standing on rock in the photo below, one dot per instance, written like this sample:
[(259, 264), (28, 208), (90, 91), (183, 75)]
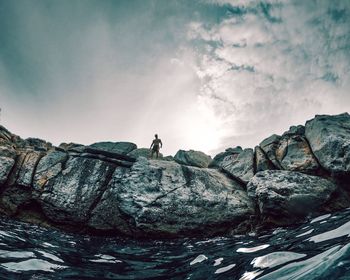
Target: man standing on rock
[(156, 145)]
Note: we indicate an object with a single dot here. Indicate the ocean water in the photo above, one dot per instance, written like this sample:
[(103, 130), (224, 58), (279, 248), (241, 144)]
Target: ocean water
[(317, 249)]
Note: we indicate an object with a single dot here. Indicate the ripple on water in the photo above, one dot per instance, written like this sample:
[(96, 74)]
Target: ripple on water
[(16, 254), (275, 259), (305, 233), (320, 218), (311, 268), (335, 233), (225, 268), (252, 249), (105, 259), (32, 264), (198, 259), (218, 261)]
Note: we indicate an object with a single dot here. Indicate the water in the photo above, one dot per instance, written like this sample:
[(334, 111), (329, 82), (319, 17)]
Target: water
[(319, 249)]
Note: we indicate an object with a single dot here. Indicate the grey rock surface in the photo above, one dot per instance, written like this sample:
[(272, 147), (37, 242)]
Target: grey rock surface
[(172, 199), (218, 159), (240, 166), (143, 152), (72, 194), (115, 147), (287, 196), (329, 138), (192, 158)]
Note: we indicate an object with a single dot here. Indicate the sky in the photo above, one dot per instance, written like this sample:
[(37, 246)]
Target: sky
[(203, 74)]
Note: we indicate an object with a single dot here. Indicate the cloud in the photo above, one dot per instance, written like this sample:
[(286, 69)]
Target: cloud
[(204, 75)]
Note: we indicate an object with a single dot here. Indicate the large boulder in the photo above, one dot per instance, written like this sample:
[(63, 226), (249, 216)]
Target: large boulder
[(170, 199), (240, 165), (192, 158), (284, 196), (329, 138), (70, 196), (115, 147)]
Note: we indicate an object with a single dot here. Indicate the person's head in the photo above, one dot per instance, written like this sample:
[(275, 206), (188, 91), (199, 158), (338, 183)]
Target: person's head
[(156, 135)]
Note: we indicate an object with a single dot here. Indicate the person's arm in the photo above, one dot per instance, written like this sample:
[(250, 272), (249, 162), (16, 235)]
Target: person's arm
[(161, 144), (152, 144)]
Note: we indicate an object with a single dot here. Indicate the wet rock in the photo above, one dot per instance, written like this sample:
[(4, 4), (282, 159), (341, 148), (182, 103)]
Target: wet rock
[(240, 165), (173, 200), (285, 196), (329, 138), (192, 158), (115, 147)]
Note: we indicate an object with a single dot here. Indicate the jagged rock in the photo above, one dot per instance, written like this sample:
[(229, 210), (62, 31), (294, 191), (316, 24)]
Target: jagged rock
[(192, 158), (168, 158), (269, 146), (26, 172), (291, 151), (294, 153), (72, 147), (38, 144), (6, 165), (71, 195), (49, 167), (217, 160), (172, 200), (285, 196), (329, 138), (115, 147), (142, 152), (240, 165), (262, 163)]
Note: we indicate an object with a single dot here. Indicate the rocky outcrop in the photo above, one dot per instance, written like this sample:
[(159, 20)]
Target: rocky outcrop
[(192, 158), (330, 142), (239, 165), (114, 187), (171, 199), (283, 197)]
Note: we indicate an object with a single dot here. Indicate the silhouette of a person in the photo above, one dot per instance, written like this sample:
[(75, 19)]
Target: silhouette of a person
[(156, 145)]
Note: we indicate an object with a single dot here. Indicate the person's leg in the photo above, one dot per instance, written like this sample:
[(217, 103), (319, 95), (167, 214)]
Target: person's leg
[(157, 153)]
